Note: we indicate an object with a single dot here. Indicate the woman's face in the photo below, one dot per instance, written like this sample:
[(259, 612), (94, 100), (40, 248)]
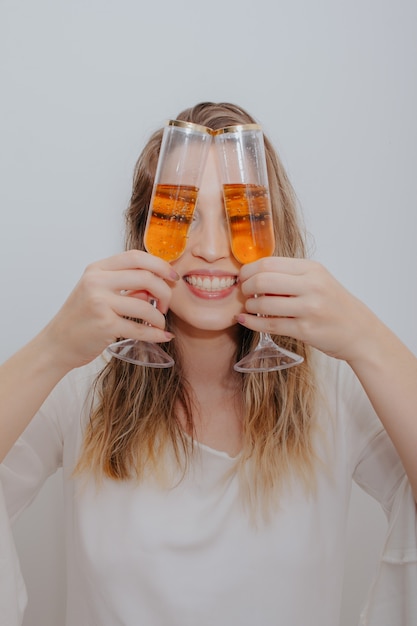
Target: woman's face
[(208, 296)]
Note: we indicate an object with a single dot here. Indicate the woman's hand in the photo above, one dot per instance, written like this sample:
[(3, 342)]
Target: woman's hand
[(301, 299), (109, 291)]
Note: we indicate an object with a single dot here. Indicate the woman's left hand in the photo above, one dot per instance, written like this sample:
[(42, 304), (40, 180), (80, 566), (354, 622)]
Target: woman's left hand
[(301, 299)]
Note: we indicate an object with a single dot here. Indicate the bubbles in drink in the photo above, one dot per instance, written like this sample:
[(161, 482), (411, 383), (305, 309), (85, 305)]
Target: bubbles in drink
[(250, 221), (169, 220)]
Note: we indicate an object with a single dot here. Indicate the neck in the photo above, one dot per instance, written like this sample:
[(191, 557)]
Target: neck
[(208, 358), (208, 367)]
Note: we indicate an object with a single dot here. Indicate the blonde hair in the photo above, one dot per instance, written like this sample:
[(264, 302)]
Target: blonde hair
[(134, 419)]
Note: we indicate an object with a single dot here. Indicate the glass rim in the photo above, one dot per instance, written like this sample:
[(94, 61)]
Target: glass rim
[(190, 126), (237, 128)]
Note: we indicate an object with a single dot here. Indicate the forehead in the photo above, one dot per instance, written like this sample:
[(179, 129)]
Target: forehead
[(212, 163), (211, 177), (179, 165)]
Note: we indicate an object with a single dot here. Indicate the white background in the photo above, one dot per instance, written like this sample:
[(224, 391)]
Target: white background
[(83, 84)]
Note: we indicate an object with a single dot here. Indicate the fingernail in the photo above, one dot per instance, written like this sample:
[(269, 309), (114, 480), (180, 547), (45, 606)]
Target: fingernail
[(173, 275), (240, 319), (169, 336)]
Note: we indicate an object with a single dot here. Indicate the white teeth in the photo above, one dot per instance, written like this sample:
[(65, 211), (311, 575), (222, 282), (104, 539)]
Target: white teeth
[(214, 283)]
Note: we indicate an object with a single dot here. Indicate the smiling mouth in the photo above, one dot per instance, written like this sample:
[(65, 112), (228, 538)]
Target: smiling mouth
[(212, 283)]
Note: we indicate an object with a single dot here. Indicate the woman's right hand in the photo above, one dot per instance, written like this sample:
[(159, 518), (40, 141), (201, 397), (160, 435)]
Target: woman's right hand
[(109, 291)]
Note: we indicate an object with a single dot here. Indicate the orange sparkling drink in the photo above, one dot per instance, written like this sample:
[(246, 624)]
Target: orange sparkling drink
[(169, 220), (249, 216)]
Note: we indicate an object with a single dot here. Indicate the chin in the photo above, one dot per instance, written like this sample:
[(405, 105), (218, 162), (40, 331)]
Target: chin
[(204, 323)]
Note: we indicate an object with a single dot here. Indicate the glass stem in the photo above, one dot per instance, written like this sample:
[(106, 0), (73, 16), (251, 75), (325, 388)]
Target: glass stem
[(265, 339)]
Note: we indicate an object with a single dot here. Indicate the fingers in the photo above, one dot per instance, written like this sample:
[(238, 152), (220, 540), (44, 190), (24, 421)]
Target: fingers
[(273, 289), (274, 306), (109, 292), (279, 315), (275, 276), (287, 327), (284, 265), (301, 299), (285, 296), (138, 308), (133, 273), (134, 283), (141, 332), (138, 259)]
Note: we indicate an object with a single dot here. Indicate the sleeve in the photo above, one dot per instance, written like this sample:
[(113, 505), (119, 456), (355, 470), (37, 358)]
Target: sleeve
[(37, 454), (377, 468), (41, 449), (374, 462), (13, 596), (392, 598)]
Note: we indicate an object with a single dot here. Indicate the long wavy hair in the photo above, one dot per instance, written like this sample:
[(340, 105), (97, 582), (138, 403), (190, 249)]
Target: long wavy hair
[(134, 419)]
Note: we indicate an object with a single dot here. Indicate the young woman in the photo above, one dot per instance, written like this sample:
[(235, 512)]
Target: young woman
[(196, 494)]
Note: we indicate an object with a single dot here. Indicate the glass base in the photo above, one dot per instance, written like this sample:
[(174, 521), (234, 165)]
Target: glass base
[(140, 353), (267, 357)]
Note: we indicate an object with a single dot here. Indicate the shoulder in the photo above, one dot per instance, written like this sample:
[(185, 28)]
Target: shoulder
[(343, 406), (339, 387), (78, 383), (70, 400)]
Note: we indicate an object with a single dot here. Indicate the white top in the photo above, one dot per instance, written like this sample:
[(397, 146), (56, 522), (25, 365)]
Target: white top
[(143, 555)]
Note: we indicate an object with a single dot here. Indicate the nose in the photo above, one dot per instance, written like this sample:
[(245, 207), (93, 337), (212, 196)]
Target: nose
[(210, 237)]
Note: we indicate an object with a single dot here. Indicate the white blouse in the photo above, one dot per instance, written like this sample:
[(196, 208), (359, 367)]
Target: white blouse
[(189, 554)]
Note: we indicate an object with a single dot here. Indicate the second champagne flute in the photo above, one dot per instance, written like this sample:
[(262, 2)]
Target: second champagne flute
[(180, 167), (246, 195)]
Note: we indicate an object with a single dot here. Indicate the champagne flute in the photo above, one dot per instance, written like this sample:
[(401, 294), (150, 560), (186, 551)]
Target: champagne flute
[(246, 196), (181, 162)]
